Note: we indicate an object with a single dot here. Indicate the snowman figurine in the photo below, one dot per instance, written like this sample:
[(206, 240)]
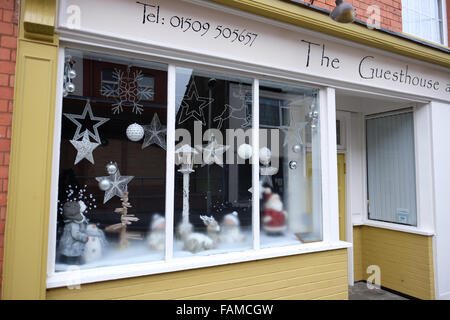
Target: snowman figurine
[(95, 245), (230, 229), (274, 219), (156, 238)]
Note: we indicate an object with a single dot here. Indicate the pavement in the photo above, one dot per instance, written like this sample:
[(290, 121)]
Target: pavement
[(360, 291)]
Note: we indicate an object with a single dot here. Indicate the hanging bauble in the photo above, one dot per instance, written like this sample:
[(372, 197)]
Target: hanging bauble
[(111, 167), (105, 184), (135, 132), (245, 151), (70, 87), (296, 148), (71, 74), (264, 155), (293, 165)]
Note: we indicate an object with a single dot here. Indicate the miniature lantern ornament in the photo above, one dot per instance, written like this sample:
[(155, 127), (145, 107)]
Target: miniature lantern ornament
[(185, 158), (343, 13)]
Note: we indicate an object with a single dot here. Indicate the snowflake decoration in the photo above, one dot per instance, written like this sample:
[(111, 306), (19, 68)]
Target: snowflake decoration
[(74, 193), (126, 91)]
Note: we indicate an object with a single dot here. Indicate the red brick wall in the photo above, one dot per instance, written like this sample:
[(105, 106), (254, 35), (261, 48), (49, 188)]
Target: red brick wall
[(8, 43), (390, 10)]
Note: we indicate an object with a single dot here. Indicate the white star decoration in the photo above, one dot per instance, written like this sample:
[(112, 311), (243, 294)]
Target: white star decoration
[(192, 105), (84, 148), (118, 185), (213, 152), (296, 131), (87, 109), (154, 133)]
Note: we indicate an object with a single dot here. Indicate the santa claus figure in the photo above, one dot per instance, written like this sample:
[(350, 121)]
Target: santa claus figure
[(274, 219)]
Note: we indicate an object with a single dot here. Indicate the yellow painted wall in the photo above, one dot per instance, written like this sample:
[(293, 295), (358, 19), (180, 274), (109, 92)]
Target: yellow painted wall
[(405, 259), (321, 275), (358, 273)]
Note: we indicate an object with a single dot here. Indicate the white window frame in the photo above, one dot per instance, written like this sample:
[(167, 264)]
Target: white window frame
[(424, 176), (442, 28), (329, 218)]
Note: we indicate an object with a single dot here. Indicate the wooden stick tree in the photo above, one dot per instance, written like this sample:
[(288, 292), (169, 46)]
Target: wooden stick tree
[(126, 219)]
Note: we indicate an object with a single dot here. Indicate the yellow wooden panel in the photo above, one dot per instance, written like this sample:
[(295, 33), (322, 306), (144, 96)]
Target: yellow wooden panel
[(30, 171), (357, 255), (308, 275), (405, 260), (341, 193)]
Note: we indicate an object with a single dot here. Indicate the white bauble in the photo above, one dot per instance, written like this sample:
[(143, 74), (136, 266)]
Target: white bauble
[(135, 132), (104, 184), (70, 87), (245, 151), (72, 74), (264, 155)]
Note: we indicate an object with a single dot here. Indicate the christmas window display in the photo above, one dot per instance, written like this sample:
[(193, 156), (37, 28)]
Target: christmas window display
[(213, 200), (290, 175), (112, 162)]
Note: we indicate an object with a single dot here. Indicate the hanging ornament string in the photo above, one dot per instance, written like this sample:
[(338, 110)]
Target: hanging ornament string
[(69, 75)]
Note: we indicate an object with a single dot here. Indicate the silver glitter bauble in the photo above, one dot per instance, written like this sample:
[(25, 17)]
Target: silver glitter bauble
[(293, 165), (71, 74), (111, 168), (135, 132), (296, 148), (70, 87), (104, 184)]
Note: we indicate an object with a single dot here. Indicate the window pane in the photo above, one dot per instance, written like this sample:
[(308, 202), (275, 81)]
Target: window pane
[(290, 174), (423, 19), (391, 178), (112, 163), (213, 211)]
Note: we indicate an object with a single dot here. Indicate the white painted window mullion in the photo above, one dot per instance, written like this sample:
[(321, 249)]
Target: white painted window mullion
[(255, 165), (170, 161)]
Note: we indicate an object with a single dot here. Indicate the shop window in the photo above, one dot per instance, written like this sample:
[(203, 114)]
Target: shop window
[(112, 162), (290, 168), (424, 19), (213, 211), (391, 178), (112, 207)]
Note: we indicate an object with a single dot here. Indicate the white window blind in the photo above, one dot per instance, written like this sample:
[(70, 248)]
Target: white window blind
[(391, 175), (423, 19)]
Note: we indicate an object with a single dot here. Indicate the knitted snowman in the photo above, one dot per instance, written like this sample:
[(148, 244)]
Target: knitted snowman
[(156, 238), (230, 229), (274, 219), (95, 245)]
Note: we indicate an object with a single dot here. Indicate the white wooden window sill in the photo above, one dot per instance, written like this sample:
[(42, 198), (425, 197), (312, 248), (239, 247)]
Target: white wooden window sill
[(73, 278)]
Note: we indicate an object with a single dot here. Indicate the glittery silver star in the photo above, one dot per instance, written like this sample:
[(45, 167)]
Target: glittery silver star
[(94, 133), (118, 185), (154, 133), (84, 148), (192, 105), (213, 152)]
